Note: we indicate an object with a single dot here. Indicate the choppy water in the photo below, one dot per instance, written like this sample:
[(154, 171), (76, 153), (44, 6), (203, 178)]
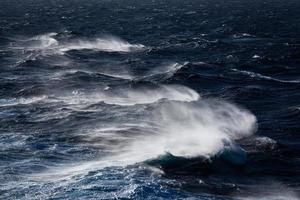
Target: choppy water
[(160, 99)]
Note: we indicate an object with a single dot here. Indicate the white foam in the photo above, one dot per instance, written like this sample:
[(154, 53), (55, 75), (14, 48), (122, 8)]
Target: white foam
[(195, 129), (119, 75), (44, 44), (168, 70), (257, 75), (108, 44), (47, 44), (188, 129), (133, 97), (17, 101), (46, 41)]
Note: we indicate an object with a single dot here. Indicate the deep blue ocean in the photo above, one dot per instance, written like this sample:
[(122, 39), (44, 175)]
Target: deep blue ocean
[(150, 99)]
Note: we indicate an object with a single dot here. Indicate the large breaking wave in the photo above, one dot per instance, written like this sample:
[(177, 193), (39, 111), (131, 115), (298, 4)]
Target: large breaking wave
[(182, 126), (49, 44)]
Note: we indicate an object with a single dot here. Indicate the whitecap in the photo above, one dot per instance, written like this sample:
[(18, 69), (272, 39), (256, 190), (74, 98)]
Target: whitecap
[(185, 129), (20, 101), (107, 44), (260, 76), (168, 70), (132, 96), (162, 72), (45, 41), (119, 75), (48, 44), (195, 129)]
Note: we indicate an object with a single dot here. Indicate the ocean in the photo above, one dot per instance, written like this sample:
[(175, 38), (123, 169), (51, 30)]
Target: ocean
[(150, 99)]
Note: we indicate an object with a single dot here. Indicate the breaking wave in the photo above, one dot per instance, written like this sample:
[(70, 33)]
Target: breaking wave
[(119, 97), (50, 45), (202, 128), (186, 127), (133, 96), (107, 44), (45, 41), (165, 71)]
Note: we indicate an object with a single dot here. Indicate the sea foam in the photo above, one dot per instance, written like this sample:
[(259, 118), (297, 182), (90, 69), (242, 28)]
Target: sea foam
[(107, 44), (48, 44), (190, 128)]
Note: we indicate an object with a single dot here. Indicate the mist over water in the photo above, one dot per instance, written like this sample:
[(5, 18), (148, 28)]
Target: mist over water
[(149, 100), (47, 44), (180, 128)]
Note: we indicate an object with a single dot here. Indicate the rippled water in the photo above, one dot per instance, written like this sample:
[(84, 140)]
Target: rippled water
[(115, 99)]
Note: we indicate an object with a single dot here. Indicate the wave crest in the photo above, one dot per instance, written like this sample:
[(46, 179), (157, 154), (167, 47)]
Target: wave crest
[(135, 96), (182, 126), (194, 129), (107, 44), (49, 44)]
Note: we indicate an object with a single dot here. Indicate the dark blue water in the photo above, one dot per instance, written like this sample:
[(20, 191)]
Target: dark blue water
[(152, 99)]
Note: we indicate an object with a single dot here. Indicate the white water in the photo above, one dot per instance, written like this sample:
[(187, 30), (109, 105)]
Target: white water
[(47, 42), (195, 129), (260, 76), (108, 44), (168, 70), (120, 74), (183, 126), (133, 97), (120, 97), (17, 101)]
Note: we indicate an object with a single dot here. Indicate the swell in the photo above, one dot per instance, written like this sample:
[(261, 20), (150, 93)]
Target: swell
[(185, 131)]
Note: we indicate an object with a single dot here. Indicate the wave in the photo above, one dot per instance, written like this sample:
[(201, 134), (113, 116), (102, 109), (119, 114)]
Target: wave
[(179, 130), (160, 73), (117, 74), (38, 43), (232, 154), (167, 70), (260, 76), (107, 44), (133, 96), (120, 72), (45, 41), (49, 44), (21, 101), (119, 97), (194, 129)]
